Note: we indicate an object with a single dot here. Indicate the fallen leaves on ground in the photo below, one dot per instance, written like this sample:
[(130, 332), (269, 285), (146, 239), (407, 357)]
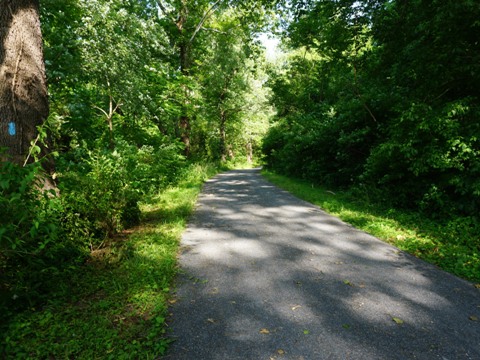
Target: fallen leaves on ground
[(473, 318), (264, 331), (398, 320)]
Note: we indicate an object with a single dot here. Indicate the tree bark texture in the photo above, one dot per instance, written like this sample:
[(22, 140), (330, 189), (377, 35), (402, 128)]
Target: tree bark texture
[(23, 89)]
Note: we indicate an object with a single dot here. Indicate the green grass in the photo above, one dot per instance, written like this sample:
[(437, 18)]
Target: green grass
[(117, 302), (453, 244)]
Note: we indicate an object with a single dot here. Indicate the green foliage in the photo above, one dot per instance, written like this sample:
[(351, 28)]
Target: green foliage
[(104, 187), (119, 88), (22, 225), (48, 235), (235, 108), (436, 159), (116, 304), (36, 249), (116, 96), (381, 95)]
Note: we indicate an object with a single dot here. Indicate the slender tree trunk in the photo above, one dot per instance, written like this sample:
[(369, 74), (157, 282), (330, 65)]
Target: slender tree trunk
[(184, 121), (23, 90), (184, 47), (109, 118), (249, 148), (184, 58), (185, 133), (223, 136), (182, 39)]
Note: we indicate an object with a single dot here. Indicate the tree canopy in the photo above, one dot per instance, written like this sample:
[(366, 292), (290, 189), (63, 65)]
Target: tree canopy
[(380, 97)]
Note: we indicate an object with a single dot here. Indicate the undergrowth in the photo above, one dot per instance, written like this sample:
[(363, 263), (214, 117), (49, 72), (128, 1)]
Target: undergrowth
[(451, 244), (116, 303)]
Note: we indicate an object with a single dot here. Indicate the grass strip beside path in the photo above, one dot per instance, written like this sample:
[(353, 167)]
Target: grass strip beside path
[(453, 245), (114, 307)]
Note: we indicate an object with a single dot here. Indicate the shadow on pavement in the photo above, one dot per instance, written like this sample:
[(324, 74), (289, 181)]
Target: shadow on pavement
[(265, 275)]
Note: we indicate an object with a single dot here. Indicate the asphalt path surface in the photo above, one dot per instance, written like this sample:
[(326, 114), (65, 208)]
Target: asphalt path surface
[(265, 275)]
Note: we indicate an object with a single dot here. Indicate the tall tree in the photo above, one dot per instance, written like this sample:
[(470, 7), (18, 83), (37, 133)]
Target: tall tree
[(183, 20), (225, 79), (227, 71), (188, 26), (23, 90)]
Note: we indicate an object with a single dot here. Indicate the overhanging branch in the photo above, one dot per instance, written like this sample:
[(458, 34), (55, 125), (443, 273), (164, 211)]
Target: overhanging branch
[(204, 18), (214, 30), (164, 10)]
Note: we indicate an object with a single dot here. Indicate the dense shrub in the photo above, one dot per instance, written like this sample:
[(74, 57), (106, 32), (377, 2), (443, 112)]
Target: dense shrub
[(44, 234), (104, 187), (37, 239), (382, 98)]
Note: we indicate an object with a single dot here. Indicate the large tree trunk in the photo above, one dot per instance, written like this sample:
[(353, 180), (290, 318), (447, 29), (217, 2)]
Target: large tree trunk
[(23, 90)]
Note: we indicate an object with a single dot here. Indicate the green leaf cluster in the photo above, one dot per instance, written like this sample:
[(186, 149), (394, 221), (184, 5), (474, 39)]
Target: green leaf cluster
[(36, 246), (384, 96)]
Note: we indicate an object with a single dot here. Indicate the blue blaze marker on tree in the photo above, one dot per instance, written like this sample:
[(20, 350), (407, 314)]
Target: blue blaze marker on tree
[(12, 129)]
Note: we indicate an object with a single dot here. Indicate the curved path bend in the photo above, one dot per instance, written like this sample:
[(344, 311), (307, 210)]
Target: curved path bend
[(265, 275)]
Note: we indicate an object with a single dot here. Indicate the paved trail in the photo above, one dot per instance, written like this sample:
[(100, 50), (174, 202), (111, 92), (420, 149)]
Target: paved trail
[(268, 276)]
